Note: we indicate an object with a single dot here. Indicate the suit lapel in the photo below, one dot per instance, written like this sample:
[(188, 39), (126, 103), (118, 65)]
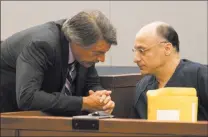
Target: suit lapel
[(64, 52), (65, 55)]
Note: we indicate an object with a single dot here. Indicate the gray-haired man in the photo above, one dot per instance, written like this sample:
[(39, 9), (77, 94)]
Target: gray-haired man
[(51, 67)]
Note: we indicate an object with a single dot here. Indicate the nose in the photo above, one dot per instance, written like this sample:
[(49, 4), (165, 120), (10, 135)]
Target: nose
[(137, 58), (101, 58)]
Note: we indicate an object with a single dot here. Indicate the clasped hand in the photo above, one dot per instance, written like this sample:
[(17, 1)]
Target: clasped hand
[(99, 101)]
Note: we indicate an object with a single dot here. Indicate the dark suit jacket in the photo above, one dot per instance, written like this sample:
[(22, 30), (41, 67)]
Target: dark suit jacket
[(33, 72), (187, 74)]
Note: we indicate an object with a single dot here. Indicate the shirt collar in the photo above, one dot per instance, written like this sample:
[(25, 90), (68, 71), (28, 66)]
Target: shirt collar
[(71, 56)]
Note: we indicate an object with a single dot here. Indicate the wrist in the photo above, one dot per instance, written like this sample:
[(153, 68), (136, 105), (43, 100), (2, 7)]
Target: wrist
[(85, 104)]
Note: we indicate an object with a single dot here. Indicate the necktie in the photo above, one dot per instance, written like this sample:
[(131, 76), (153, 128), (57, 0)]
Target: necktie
[(71, 74)]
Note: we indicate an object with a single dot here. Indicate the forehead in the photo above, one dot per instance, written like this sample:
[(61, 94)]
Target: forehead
[(146, 40), (100, 45)]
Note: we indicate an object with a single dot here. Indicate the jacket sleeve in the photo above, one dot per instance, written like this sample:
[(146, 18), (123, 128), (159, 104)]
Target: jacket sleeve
[(202, 80), (93, 80), (33, 61), (139, 108), (133, 111)]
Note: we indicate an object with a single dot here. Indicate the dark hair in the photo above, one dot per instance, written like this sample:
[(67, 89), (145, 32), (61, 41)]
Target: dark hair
[(87, 27), (169, 34)]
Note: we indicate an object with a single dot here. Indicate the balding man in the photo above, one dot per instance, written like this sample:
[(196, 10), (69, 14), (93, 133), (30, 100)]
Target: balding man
[(157, 55)]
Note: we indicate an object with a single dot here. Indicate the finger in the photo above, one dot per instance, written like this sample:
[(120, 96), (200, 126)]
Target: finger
[(108, 92), (109, 111), (103, 97), (91, 92), (107, 99), (101, 92), (109, 105)]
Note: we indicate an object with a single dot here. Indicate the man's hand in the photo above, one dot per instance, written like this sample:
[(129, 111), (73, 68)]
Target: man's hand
[(106, 100), (104, 95), (108, 108), (99, 100)]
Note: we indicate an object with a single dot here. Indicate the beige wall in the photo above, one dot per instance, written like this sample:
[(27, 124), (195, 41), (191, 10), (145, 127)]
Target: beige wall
[(189, 18)]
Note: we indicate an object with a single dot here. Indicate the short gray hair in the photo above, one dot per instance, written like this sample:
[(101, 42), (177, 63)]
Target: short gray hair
[(87, 27)]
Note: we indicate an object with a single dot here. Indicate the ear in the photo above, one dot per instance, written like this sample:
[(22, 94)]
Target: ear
[(168, 49)]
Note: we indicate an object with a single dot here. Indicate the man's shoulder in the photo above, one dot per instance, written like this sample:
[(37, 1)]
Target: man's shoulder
[(191, 66), (48, 32)]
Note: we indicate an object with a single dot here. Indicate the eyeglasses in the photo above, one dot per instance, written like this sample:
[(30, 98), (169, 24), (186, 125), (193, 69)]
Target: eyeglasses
[(142, 51)]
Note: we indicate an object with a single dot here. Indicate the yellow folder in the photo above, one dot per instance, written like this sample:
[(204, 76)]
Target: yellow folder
[(172, 104)]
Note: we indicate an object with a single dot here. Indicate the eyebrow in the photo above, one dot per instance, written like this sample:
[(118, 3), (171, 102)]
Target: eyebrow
[(139, 46), (99, 52)]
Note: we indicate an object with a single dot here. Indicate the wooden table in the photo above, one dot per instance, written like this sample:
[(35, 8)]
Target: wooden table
[(35, 123)]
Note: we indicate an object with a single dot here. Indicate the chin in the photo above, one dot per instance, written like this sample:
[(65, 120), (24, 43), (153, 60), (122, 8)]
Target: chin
[(143, 72)]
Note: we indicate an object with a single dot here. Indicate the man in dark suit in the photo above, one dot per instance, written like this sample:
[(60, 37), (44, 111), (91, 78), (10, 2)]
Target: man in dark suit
[(51, 67), (157, 55)]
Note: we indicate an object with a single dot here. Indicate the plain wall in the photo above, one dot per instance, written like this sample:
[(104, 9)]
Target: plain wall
[(189, 18)]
